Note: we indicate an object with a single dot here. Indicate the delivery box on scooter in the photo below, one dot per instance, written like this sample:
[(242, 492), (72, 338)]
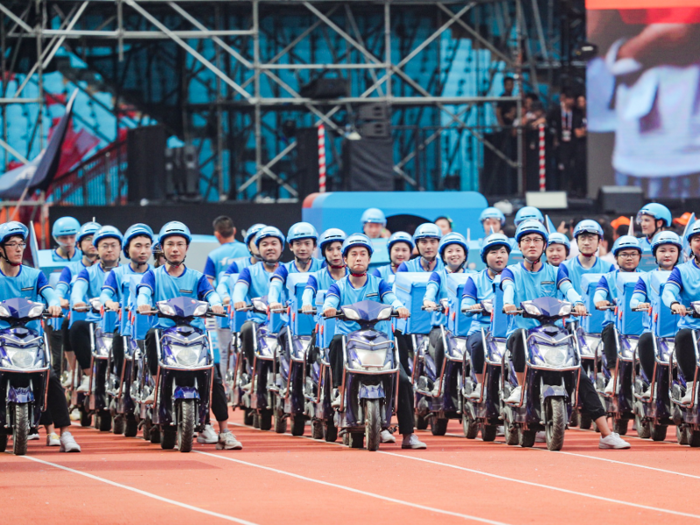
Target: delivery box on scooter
[(629, 322), (325, 328), (663, 322), (499, 320), (592, 324), (410, 290), (457, 322), (300, 324)]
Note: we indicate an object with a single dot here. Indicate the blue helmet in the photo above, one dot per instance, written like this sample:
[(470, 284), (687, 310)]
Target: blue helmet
[(331, 235), (453, 238), (692, 231), (269, 231), (252, 232), (157, 249), (493, 241), (531, 226), (89, 228), (107, 232), (301, 230), (357, 239), (136, 230), (559, 238), (588, 226), (626, 242), (65, 226), (528, 213), (427, 230), (400, 237), (373, 215), (658, 211), (173, 228), (662, 238), (13, 229), (492, 213)]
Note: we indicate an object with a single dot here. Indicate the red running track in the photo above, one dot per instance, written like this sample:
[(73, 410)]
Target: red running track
[(280, 478)]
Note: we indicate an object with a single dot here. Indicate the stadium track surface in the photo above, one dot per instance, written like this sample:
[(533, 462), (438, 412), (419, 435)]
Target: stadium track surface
[(280, 478)]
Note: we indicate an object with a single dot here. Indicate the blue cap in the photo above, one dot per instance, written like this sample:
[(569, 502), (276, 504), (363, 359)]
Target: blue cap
[(493, 241), (65, 226), (357, 239), (136, 230), (626, 242), (107, 232), (172, 229), (492, 213), (302, 230), (658, 211), (400, 237), (373, 215)]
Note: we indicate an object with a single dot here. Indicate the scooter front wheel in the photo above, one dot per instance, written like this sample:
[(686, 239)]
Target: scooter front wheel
[(682, 435), (421, 423), (438, 426), (470, 427), (118, 424), (693, 438), (20, 429), (658, 432), (85, 418), (185, 427), (556, 423), (620, 426), (373, 424), (298, 424), (643, 428), (131, 427)]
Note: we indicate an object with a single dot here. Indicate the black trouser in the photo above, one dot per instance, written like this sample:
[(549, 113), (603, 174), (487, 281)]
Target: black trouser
[(247, 340), (436, 348), (405, 411), (475, 345), (55, 337), (609, 346), (81, 343), (645, 350), (405, 348), (56, 412), (219, 403), (586, 391), (685, 353), (118, 352)]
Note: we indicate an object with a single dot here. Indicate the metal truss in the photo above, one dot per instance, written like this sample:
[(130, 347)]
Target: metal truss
[(226, 74)]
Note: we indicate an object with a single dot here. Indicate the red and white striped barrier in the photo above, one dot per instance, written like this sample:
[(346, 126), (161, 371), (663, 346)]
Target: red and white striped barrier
[(321, 159), (543, 165)]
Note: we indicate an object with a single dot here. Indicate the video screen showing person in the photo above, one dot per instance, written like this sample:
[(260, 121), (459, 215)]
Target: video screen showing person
[(643, 87)]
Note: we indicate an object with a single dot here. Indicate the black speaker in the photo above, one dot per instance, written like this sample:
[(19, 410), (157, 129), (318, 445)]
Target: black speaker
[(368, 164), (622, 200), (182, 172), (145, 172), (380, 129), (374, 111), (325, 88), (307, 161)]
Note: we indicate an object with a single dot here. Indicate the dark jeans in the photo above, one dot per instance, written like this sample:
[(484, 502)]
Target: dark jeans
[(405, 348), (118, 352), (586, 391), (475, 345), (609, 346), (81, 343), (405, 411), (685, 353), (218, 396), (645, 350), (55, 337), (56, 412)]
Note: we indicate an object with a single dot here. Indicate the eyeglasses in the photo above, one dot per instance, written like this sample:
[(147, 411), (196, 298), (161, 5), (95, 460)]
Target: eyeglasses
[(15, 246), (629, 255), (532, 240), (109, 246)]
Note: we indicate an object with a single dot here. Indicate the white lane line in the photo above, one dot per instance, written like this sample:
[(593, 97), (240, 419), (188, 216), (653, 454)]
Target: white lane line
[(542, 486), (142, 492), (350, 489)]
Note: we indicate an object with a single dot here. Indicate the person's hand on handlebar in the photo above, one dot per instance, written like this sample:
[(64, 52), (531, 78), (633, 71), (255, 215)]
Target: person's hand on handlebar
[(54, 311), (65, 304), (217, 309), (602, 304), (239, 305), (403, 313), (679, 309), (227, 300), (144, 309), (307, 308), (429, 305), (79, 305), (330, 312), (510, 309), (276, 306), (112, 305), (580, 309)]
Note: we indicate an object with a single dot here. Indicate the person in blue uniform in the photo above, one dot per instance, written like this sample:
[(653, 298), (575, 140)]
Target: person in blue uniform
[(400, 246), (492, 220), (478, 288), (331, 247), (88, 285), (532, 279), (558, 248), (17, 280), (221, 258), (683, 288), (172, 280), (587, 234), (64, 232), (653, 218), (359, 286), (628, 253), (373, 223), (427, 240)]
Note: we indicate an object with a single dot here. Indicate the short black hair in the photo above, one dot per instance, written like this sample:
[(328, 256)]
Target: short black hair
[(607, 233), (444, 218), (507, 79), (224, 225), (567, 93)]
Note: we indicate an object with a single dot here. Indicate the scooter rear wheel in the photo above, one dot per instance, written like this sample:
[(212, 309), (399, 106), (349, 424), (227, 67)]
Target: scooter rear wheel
[(103, 421), (168, 437), (298, 424), (85, 418), (526, 438), (693, 438), (185, 427), (248, 416), (643, 427), (489, 432), (357, 439), (131, 427), (620, 426), (3, 440), (316, 429), (682, 435), (330, 432), (584, 421), (658, 432), (470, 427), (421, 423), (265, 419), (510, 433), (438, 426), (118, 424)]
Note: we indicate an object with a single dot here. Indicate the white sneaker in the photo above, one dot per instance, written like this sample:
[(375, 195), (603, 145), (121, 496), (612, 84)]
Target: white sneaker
[(66, 383), (84, 384), (149, 400), (541, 437), (688, 397), (610, 387), (387, 437), (476, 393), (336, 399), (68, 444), (514, 396), (75, 415), (34, 436), (500, 431), (208, 436), (227, 441), (613, 441), (411, 441), (436, 390), (647, 393), (53, 440)]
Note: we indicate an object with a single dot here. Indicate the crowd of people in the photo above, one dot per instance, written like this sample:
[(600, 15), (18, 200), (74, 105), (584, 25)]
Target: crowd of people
[(553, 264)]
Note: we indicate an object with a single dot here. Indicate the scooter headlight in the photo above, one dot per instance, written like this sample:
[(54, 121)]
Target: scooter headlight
[(166, 309), (259, 305), (4, 312), (565, 309), (487, 306), (374, 358), (95, 304), (696, 306), (354, 316), (36, 311), (530, 308), (186, 355), (201, 310), (22, 358), (384, 314)]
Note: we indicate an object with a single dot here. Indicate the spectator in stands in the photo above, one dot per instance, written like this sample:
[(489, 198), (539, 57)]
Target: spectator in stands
[(506, 109), (606, 243), (445, 224), (679, 223), (620, 226), (567, 126)]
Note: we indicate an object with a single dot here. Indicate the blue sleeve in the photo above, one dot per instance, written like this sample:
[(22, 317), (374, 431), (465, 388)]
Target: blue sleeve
[(334, 291), (332, 298), (307, 298), (233, 268), (274, 294), (280, 274), (79, 290), (640, 287), (507, 275), (470, 290), (66, 276), (676, 278), (111, 283), (375, 271), (210, 269), (147, 281), (62, 290), (673, 288), (570, 292), (562, 274), (205, 291), (508, 287), (311, 284), (387, 295), (603, 285), (402, 268), (637, 298), (244, 276), (84, 275), (222, 288), (48, 293)]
